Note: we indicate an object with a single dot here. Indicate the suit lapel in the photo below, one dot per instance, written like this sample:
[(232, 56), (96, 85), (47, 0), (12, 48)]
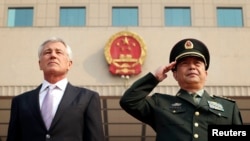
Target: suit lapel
[(69, 95), (33, 101), (203, 102), (211, 103), (186, 96)]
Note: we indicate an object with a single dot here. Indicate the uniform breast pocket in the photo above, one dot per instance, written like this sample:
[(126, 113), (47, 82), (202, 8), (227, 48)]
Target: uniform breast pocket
[(177, 110), (217, 117), (171, 116)]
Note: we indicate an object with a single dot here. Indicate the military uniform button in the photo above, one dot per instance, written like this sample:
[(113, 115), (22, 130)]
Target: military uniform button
[(197, 113), (47, 136), (196, 124), (196, 136)]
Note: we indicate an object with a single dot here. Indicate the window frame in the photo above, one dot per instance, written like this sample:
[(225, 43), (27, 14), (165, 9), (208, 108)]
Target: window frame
[(241, 24), (134, 23), (180, 24), (78, 24), (13, 22)]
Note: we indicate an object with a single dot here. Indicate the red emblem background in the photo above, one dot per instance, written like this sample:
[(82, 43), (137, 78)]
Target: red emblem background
[(125, 52)]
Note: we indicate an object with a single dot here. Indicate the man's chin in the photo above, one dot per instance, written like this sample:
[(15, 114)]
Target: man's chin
[(193, 81)]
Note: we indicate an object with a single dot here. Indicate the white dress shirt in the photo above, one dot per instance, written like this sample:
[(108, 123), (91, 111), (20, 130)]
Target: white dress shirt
[(57, 93)]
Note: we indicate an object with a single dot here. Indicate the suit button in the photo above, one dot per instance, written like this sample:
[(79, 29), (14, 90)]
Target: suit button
[(196, 124), (197, 113), (196, 136), (47, 136)]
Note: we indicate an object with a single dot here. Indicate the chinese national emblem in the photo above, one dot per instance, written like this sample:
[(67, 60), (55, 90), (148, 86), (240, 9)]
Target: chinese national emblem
[(125, 53)]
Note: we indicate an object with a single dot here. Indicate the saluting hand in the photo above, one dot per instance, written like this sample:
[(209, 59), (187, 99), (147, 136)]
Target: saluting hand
[(161, 72)]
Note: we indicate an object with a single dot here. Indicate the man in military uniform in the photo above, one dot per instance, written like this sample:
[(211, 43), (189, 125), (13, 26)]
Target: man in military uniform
[(185, 116)]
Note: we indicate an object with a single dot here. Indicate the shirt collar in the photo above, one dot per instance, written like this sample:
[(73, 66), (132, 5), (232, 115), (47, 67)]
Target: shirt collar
[(60, 84), (200, 92)]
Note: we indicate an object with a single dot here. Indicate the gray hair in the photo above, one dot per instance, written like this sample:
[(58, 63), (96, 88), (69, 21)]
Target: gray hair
[(56, 39)]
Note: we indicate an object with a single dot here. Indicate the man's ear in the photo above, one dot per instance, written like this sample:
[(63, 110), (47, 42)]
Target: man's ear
[(206, 75), (175, 75), (70, 64), (39, 62)]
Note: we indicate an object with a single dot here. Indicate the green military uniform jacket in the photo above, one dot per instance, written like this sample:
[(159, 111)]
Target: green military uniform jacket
[(177, 118)]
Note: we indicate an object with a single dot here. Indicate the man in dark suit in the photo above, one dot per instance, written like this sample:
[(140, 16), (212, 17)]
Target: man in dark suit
[(186, 115), (75, 113)]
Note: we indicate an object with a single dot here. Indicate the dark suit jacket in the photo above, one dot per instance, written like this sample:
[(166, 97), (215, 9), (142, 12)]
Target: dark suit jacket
[(78, 117), (177, 118)]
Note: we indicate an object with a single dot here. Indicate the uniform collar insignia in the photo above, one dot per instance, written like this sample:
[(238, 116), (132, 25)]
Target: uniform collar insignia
[(176, 104), (215, 105)]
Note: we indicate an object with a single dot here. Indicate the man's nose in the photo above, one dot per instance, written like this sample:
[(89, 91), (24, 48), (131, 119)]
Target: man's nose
[(53, 54), (192, 66)]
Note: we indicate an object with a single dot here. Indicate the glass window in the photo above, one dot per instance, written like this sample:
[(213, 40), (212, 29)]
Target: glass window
[(72, 16), (20, 17), (125, 16), (177, 16), (229, 17)]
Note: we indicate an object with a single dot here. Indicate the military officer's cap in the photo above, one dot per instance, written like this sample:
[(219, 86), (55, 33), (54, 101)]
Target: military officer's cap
[(190, 47)]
